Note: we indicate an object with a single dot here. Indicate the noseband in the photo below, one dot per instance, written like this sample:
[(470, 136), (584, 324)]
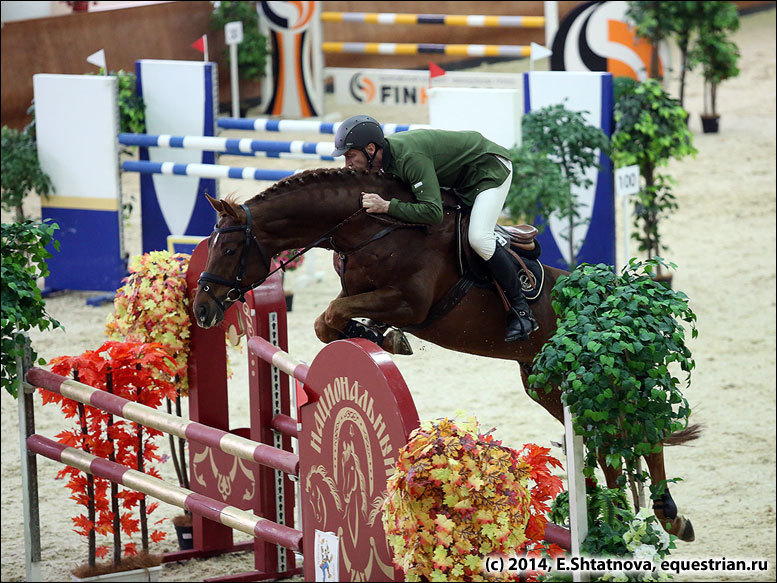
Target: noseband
[(235, 285)]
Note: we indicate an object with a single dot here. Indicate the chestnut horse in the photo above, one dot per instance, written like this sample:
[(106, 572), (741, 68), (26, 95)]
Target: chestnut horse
[(391, 272)]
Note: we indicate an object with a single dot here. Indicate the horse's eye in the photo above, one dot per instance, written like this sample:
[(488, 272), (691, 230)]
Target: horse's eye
[(229, 251)]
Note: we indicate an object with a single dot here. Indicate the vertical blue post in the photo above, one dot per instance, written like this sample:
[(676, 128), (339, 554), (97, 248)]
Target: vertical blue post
[(180, 98), (591, 92)]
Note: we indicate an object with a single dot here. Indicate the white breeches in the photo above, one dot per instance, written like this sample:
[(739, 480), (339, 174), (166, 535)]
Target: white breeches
[(485, 212)]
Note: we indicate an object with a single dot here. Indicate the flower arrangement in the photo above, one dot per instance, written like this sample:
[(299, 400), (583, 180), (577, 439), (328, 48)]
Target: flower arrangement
[(127, 370), (153, 306), (458, 496)]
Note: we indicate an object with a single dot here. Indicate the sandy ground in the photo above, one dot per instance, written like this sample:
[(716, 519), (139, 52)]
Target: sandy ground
[(723, 240)]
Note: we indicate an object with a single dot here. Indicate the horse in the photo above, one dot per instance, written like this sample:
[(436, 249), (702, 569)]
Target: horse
[(391, 272)]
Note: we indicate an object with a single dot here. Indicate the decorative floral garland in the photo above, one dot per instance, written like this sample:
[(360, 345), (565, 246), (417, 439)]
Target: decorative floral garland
[(153, 306), (458, 496)]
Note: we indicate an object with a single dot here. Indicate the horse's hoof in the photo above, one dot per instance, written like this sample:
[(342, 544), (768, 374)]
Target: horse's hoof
[(681, 527), (395, 342)]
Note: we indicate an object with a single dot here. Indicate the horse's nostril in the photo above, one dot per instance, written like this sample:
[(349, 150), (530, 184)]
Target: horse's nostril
[(202, 313)]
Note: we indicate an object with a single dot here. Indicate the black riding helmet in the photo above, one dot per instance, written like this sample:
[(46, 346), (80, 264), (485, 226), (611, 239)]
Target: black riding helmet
[(356, 133)]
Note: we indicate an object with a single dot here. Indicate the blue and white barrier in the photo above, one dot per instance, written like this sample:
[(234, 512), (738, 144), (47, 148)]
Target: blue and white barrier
[(205, 170), (265, 124), (226, 145)]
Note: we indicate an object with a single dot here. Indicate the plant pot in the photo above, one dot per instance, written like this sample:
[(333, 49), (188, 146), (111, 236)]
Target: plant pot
[(185, 536), (184, 531), (146, 574), (709, 124), (289, 301)]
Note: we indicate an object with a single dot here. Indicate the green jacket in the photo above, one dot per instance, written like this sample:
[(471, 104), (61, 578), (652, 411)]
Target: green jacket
[(427, 159)]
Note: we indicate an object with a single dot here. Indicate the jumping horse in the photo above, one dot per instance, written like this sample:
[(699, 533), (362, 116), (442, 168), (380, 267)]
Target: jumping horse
[(391, 272)]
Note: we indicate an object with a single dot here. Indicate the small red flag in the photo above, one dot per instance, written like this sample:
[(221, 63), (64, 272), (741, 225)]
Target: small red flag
[(199, 44), (435, 70)]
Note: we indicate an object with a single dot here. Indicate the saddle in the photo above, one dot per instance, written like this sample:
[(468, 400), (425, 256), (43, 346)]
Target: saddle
[(519, 241)]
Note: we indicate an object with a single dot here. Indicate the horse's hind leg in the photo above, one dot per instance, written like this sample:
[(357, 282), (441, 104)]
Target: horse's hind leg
[(664, 507)]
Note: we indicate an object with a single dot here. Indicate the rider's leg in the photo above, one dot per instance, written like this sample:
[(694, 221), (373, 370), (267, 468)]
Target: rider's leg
[(485, 213)]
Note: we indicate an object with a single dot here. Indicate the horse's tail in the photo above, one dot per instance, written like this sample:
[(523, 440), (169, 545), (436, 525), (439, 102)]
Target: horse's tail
[(690, 433)]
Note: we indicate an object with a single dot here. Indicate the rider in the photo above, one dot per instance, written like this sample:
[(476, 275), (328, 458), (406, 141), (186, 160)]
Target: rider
[(479, 170)]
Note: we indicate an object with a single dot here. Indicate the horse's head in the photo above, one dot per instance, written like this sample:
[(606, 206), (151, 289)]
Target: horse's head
[(236, 263)]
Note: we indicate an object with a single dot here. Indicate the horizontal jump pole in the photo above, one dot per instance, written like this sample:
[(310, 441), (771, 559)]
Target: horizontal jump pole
[(229, 443), (265, 124), (283, 156), (205, 170), (281, 360), (214, 510), (227, 145), (418, 48), (443, 19)]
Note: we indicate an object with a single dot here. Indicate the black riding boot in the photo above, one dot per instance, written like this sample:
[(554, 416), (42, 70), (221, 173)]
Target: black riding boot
[(504, 272)]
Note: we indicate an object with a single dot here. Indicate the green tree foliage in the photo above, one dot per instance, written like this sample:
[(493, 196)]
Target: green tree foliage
[(650, 129), (569, 145), (21, 171), (24, 257), (717, 54), (252, 53)]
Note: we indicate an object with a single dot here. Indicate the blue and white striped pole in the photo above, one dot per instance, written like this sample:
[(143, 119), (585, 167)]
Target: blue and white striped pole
[(226, 145), (206, 170), (264, 124)]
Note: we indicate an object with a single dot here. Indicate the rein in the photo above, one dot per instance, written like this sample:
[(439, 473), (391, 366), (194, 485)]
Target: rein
[(235, 285)]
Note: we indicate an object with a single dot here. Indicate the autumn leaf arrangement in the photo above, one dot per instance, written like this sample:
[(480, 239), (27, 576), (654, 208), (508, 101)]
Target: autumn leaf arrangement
[(458, 496), (125, 370), (153, 306)]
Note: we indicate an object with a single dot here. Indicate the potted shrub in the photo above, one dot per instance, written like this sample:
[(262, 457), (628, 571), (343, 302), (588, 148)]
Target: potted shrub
[(21, 171), (128, 370), (655, 22), (717, 55), (252, 53), (573, 147), (618, 336), (458, 495), (650, 129), (24, 257), (153, 306)]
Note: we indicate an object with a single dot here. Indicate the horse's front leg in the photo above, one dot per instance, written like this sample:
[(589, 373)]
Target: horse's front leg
[(664, 507), (386, 305)]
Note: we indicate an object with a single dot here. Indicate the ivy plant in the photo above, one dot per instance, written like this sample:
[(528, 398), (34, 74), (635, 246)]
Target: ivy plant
[(650, 129), (618, 339), (573, 147), (24, 257), (21, 171)]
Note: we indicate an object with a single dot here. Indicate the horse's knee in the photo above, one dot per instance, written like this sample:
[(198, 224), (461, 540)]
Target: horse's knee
[(325, 333)]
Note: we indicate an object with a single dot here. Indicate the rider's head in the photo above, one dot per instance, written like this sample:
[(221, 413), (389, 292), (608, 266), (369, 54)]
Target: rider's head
[(359, 138)]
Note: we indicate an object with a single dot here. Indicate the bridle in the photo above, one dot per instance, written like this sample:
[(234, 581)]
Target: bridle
[(235, 285), (237, 290)]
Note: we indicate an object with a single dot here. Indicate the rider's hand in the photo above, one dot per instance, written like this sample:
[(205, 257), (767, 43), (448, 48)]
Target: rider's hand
[(374, 203)]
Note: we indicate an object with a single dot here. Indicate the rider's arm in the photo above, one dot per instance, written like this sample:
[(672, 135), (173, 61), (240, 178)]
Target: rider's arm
[(419, 174)]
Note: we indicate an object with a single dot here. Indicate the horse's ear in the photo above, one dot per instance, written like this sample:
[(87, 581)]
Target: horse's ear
[(216, 204)]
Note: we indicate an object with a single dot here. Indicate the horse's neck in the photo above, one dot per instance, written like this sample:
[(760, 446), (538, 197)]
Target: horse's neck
[(298, 217)]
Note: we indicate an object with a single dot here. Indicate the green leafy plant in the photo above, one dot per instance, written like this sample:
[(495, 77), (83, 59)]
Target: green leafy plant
[(573, 147), (717, 54), (655, 22), (458, 495), (650, 129), (615, 531), (24, 257), (21, 171), (252, 53), (618, 339)]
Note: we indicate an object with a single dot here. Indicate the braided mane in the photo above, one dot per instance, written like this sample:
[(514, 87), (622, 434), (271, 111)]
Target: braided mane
[(325, 176)]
